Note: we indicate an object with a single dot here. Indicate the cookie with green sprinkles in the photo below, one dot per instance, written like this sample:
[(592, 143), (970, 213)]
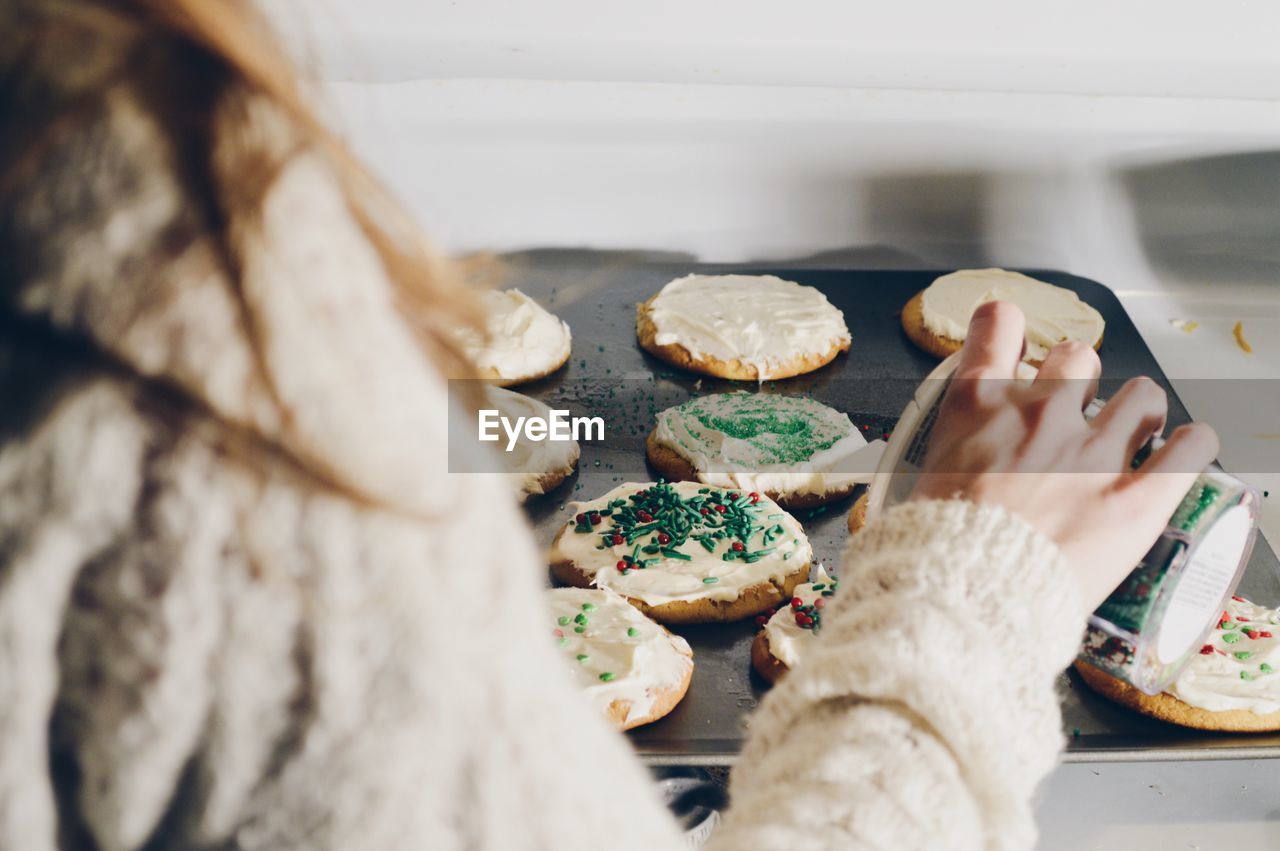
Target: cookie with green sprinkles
[(798, 451), (781, 643), (631, 669), (1231, 685), (684, 552)]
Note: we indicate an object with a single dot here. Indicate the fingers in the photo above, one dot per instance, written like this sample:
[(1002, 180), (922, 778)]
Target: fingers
[(1170, 471), (993, 344), (1132, 417), (1071, 368)]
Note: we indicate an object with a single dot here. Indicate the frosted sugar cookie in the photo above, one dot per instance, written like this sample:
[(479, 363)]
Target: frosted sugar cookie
[(685, 552), (535, 467), (798, 452), (743, 327), (937, 318), (778, 647), (630, 668), (1233, 685), (524, 342)]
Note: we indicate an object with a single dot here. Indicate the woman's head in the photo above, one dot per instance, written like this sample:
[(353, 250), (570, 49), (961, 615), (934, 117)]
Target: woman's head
[(244, 59)]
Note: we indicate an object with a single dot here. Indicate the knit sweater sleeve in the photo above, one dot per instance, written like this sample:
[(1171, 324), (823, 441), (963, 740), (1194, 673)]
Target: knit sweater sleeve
[(926, 713)]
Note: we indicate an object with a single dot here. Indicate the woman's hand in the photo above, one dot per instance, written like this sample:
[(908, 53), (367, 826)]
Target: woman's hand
[(1029, 449)]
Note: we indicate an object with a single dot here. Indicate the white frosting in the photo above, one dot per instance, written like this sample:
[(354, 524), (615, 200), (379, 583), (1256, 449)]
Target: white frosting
[(530, 460), (760, 320), (787, 639), (1240, 672), (636, 657), (524, 340), (706, 575), (779, 444), (1053, 314)]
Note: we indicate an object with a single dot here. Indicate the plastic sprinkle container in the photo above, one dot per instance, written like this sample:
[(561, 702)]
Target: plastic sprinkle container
[(1150, 626)]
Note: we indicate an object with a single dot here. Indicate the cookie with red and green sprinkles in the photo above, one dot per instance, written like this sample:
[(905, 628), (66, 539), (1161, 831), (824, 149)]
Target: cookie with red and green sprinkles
[(796, 450), (1231, 685), (631, 669), (781, 643), (684, 552)]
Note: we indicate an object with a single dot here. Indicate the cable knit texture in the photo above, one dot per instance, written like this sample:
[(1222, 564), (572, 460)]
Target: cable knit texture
[(244, 606)]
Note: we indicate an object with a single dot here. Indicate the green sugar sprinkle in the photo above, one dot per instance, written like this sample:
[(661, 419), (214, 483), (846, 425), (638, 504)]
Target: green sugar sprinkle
[(588, 607), (582, 657), (632, 632), (1231, 637), (1246, 676), (564, 639), (1264, 668), (1242, 655), (582, 619), (710, 580), (563, 620), (607, 676), (579, 629), (767, 428)]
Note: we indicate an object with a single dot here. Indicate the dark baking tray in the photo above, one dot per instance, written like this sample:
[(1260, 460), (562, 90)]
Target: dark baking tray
[(609, 375)]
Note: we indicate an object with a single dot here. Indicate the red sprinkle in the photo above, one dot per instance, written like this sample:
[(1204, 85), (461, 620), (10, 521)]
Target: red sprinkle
[(1207, 650), (558, 633), (1226, 616), (1242, 620), (1264, 635), (796, 602), (581, 518), (595, 519), (819, 603), (737, 546), (704, 511), (732, 497), (622, 564), (721, 509), (1237, 599), (644, 516), (664, 538), (755, 497), (617, 540)]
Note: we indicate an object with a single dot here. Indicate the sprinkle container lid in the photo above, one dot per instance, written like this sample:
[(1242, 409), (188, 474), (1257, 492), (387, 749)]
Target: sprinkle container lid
[(1157, 619)]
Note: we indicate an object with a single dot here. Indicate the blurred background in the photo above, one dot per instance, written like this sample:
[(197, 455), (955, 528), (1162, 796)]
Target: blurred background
[(1137, 144)]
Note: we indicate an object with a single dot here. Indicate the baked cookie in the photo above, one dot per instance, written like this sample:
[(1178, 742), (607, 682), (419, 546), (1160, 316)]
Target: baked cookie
[(937, 318), (630, 668), (858, 514), (742, 327), (684, 553), (534, 467), (798, 452), (778, 647), (522, 341), (1233, 685)]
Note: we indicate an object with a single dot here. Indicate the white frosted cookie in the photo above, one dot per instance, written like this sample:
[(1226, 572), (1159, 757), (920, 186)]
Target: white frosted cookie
[(799, 452), (1232, 685), (684, 552), (781, 644), (630, 668), (524, 341), (743, 327), (534, 467), (937, 318)]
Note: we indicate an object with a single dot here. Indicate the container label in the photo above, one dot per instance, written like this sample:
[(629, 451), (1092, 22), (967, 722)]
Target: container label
[(1204, 584)]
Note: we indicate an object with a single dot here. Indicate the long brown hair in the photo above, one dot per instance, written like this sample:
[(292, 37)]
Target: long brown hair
[(431, 290)]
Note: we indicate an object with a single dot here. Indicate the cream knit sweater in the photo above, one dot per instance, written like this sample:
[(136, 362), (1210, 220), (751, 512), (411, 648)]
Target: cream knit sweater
[(202, 645)]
